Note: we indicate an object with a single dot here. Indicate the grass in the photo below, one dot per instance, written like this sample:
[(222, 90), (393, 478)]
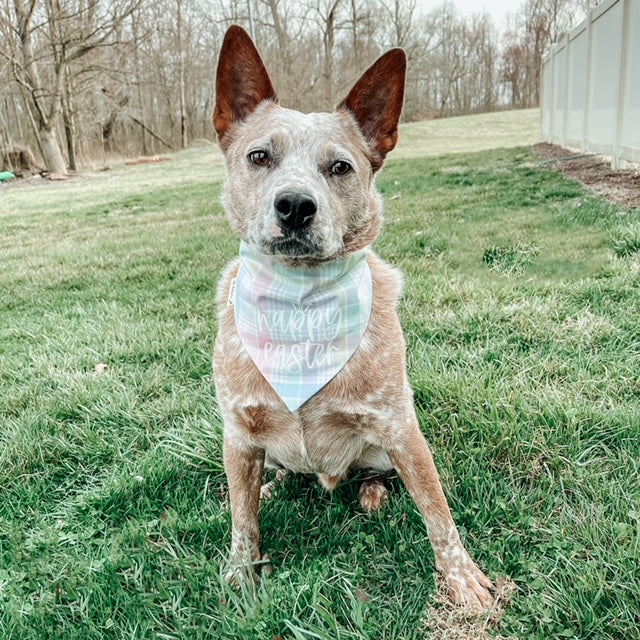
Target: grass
[(521, 319), (500, 130)]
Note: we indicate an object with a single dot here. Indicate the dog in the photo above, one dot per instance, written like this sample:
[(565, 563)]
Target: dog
[(309, 360)]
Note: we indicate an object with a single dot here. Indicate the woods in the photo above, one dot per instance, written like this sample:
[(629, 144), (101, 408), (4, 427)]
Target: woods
[(83, 80)]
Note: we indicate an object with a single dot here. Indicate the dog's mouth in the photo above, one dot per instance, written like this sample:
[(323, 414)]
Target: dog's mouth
[(293, 246)]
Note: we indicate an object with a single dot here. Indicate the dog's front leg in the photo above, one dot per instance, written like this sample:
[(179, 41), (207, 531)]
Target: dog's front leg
[(244, 467), (414, 463)]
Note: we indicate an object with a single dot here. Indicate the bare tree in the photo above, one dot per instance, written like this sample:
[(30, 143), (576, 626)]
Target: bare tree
[(399, 14), (537, 25), (181, 56), (327, 17), (41, 62)]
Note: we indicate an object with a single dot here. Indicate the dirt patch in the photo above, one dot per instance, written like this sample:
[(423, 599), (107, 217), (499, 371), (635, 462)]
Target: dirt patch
[(446, 621), (621, 187), (146, 160)]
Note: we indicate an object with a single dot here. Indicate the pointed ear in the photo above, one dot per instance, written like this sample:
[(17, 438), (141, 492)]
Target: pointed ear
[(242, 81), (376, 102)]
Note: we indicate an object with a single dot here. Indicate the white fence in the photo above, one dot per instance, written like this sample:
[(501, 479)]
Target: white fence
[(591, 84)]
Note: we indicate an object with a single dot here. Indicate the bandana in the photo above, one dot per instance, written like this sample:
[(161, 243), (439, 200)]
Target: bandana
[(301, 325)]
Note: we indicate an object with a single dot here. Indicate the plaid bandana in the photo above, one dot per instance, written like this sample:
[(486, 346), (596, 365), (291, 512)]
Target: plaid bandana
[(301, 325)]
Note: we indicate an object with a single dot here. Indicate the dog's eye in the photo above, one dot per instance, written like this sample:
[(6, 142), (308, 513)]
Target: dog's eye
[(341, 168), (260, 158)]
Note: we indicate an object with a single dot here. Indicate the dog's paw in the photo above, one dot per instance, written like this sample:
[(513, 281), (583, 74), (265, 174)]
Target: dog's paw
[(467, 585), (242, 574), (373, 494), (267, 489), (248, 573)]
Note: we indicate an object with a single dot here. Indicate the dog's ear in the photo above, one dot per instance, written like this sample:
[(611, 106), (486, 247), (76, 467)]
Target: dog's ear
[(376, 102), (242, 81)]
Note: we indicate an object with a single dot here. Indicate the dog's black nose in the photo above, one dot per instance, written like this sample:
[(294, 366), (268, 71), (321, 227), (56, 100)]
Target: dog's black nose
[(295, 210)]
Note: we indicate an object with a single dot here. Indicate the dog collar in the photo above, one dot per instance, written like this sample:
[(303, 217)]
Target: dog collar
[(301, 325)]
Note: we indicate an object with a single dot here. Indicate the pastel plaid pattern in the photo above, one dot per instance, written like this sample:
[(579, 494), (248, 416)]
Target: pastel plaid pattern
[(301, 325)]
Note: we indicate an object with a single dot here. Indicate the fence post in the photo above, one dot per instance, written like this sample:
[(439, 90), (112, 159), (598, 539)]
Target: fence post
[(546, 97), (567, 92), (542, 101), (552, 89), (622, 83), (587, 84)]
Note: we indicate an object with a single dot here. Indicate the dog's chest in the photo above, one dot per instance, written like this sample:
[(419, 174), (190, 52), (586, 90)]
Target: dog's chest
[(318, 442)]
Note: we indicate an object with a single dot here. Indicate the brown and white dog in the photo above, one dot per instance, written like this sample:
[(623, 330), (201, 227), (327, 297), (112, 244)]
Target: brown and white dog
[(301, 195)]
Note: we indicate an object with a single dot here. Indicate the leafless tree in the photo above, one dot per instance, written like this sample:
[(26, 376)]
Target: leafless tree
[(537, 25), (41, 61)]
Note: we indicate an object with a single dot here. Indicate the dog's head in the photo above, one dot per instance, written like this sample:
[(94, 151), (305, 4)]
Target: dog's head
[(301, 186)]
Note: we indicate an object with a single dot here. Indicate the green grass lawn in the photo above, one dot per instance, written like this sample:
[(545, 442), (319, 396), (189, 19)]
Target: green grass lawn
[(502, 129), (521, 314)]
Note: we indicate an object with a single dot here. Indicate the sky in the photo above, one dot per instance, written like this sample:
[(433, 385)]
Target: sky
[(497, 9)]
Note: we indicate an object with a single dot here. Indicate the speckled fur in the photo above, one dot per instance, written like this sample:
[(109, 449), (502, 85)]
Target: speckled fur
[(364, 417)]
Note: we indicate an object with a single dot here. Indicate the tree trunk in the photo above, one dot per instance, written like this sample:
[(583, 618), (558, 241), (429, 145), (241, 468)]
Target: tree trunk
[(183, 112), (135, 27), (69, 120), (283, 41), (46, 118), (51, 153), (329, 40)]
